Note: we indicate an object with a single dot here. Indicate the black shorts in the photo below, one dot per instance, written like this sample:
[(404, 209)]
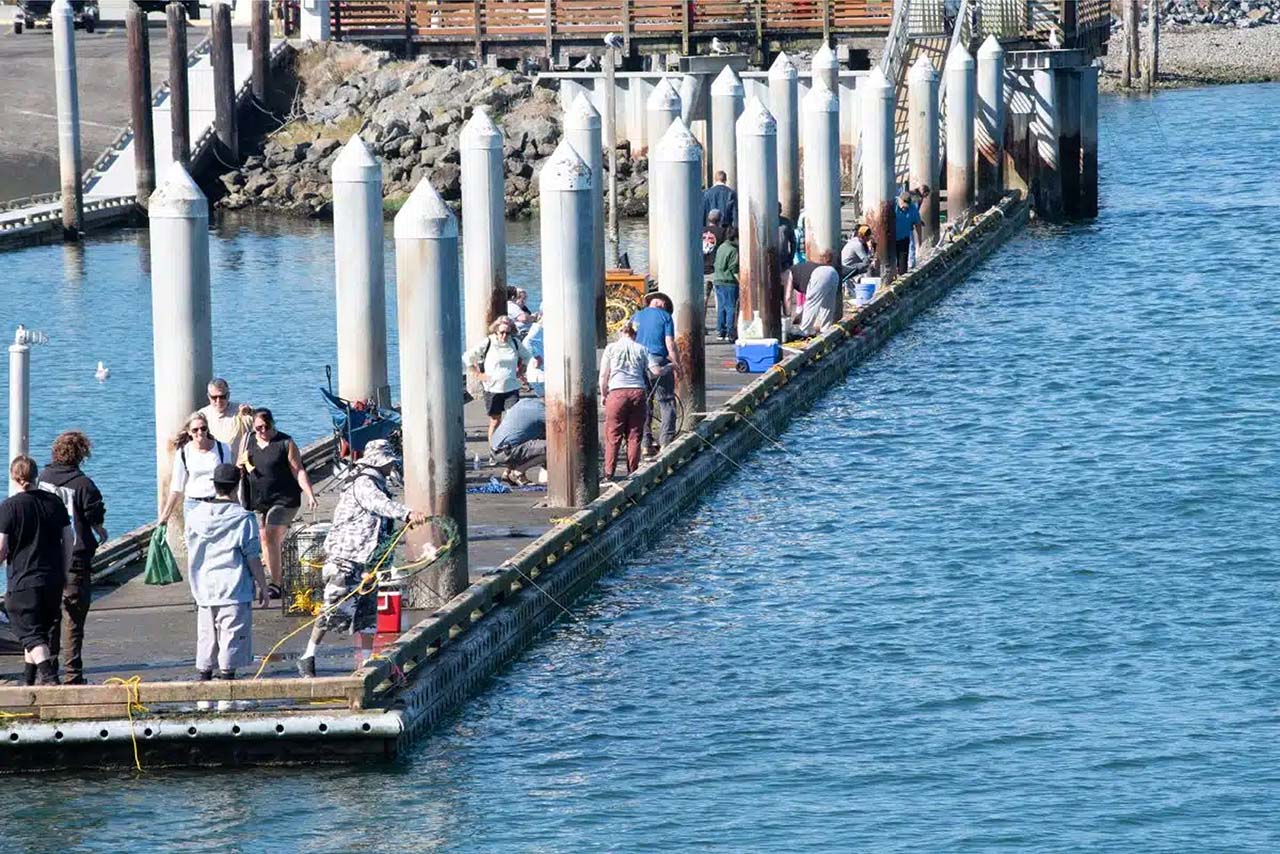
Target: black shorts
[(497, 402), (34, 612)]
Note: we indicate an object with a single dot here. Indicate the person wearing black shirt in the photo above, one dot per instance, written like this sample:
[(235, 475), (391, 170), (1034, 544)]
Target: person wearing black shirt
[(36, 540)]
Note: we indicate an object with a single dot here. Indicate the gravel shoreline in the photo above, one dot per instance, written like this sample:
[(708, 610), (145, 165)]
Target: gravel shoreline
[(1204, 55)]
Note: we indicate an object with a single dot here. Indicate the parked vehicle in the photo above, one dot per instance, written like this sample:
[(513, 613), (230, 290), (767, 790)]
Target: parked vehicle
[(36, 13), (149, 6)]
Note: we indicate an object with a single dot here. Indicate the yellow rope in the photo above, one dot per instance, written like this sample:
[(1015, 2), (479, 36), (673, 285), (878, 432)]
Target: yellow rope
[(4, 716), (132, 701)]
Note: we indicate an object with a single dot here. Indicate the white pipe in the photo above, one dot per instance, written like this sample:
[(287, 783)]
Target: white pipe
[(662, 108), (19, 400), (359, 278), (784, 103), (727, 102), (960, 148), (822, 171), (760, 297), (582, 130), (990, 121), (485, 235), (922, 132), (431, 387), (68, 100), (877, 155)]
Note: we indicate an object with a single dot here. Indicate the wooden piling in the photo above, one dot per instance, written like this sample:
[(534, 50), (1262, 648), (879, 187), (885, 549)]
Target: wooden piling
[(224, 84), (784, 103), (1152, 68), (260, 50), (144, 143), (67, 93), (179, 95)]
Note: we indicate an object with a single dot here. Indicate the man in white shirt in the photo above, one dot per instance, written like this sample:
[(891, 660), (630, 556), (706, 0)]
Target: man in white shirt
[(228, 422)]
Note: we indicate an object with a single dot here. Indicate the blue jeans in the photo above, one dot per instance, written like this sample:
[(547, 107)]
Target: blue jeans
[(727, 310)]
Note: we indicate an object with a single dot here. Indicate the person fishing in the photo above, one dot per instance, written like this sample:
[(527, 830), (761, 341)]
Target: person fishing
[(364, 510)]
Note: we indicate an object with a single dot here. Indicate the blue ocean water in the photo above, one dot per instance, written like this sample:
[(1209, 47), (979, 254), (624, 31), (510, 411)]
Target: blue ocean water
[(1013, 586)]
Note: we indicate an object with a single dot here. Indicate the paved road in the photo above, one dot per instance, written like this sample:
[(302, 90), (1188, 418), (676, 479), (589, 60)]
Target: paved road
[(28, 134)]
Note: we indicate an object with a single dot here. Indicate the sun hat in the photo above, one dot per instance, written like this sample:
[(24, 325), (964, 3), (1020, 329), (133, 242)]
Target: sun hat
[(379, 453)]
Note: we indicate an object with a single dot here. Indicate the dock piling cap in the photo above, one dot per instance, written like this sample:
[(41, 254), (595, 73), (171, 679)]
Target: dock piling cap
[(727, 83), (825, 57), (783, 68), (178, 197), (876, 86), (425, 216), (677, 145), (991, 48), (480, 131), (959, 58), (756, 120), (355, 164), (820, 98), (582, 114), (922, 71), (564, 171), (663, 97)]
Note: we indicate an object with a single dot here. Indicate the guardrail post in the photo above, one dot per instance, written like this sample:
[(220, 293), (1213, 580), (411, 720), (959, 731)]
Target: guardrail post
[(359, 281), (68, 98), (144, 143), (677, 167), (260, 48), (727, 102), (990, 122), (181, 318), (179, 100), (431, 387), (582, 129), (960, 148), (877, 156), (784, 103), (1046, 165), (922, 132), (485, 237), (822, 171), (224, 84), (1088, 140), (760, 293), (661, 109), (573, 440)]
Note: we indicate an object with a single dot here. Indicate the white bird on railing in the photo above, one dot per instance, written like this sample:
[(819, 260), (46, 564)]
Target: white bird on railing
[(613, 40), (718, 46), (1055, 38), (102, 373)]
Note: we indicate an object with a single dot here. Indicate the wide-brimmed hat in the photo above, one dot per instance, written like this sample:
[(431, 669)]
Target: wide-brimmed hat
[(379, 453)]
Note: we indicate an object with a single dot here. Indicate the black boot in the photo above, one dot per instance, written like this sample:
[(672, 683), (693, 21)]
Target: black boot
[(28, 674), (47, 672)]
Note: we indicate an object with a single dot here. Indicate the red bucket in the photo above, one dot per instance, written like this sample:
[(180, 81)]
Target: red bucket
[(390, 612)]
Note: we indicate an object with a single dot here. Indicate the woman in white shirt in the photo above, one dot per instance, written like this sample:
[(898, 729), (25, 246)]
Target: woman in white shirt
[(624, 371), (195, 455), (498, 363)]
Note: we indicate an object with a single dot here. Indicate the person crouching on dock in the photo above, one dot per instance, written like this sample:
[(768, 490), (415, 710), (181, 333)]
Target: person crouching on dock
[(350, 602)]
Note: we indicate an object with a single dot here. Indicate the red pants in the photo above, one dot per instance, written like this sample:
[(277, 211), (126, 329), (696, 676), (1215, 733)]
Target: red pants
[(624, 414)]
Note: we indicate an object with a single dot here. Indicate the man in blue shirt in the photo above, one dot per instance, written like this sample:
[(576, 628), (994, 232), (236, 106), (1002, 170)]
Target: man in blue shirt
[(907, 221), (721, 197), (520, 441), (657, 332)]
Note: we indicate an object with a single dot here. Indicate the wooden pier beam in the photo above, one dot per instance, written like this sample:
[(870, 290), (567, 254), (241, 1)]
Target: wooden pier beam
[(485, 237), (431, 386), (179, 94), (582, 129), (67, 91), (144, 142), (760, 291)]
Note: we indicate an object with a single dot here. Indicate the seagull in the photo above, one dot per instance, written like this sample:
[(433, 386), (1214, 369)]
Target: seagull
[(586, 64), (1055, 39), (102, 373), (613, 40), (718, 46)]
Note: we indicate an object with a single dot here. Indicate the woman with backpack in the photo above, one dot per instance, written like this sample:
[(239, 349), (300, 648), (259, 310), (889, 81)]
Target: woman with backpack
[(498, 363), (195, 455)]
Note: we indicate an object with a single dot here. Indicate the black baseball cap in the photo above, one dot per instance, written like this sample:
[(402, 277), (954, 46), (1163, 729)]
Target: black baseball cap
[(226, 474)]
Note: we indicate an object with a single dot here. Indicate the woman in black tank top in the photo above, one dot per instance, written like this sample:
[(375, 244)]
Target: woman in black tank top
[(277, 482)]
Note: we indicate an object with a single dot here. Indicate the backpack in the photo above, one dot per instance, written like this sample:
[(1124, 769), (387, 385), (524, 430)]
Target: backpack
[(217, 446), (484, 353), (67, 496)]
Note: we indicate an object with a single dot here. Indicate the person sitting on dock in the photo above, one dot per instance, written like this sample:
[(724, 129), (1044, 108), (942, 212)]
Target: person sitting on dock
[(36, 540), (721, 197), (519, 312), (907, 223), (224, 569), (624, 375), (795, 284), (656, 330), (498, 363), (83, 501), (821, 297), (364, 508), (520, 442), (229, 422), (858, 254)]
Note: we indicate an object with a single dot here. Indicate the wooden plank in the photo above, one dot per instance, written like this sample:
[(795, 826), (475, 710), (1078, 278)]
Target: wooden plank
[(178, 692)]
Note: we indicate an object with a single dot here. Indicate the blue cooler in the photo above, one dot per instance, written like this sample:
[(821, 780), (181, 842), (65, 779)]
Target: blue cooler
[(756, 355)]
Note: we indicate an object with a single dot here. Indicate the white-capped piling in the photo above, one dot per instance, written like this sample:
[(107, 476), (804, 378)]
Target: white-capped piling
[(877, 157), (760, 290), (1088, 140), (144, 143), (67, 93), (826, 67), (784, 103), (179, 91), (431, 386), (181, 316), (989, 127), (662, 108), (484, 236), (922, 135), (676, 166), (961, 84), (359, 279), (1044, 145), (568, 299), (727, 102), (224, 83), (582, 129), (20, 395), (822, 171)]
